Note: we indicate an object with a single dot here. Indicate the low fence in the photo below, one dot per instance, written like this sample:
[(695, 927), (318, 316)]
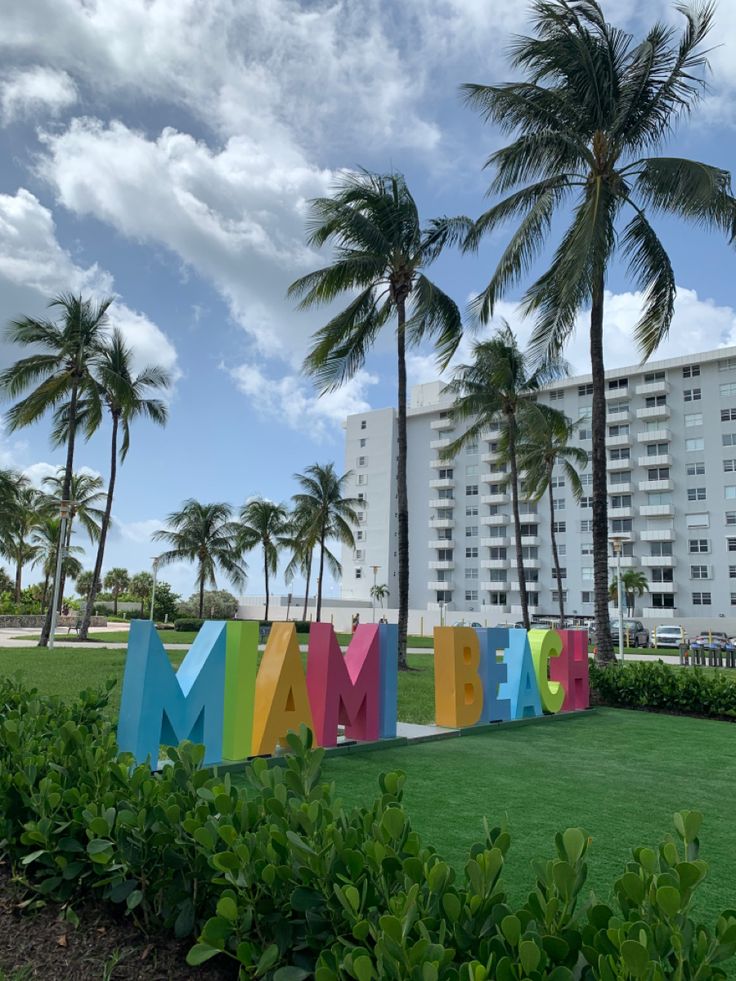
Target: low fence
[(38, 620)]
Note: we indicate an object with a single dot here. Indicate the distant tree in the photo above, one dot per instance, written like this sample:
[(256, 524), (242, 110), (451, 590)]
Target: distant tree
[(302, 538), (379, 592), (264, 525), (167, 603), (116, 581), (635, 584), (84, 583), (140, 587), (218, 605), (21, 517), (6, 583), (45, 539), (207, 535)]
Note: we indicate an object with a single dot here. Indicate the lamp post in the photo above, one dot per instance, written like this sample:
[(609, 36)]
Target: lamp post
[(64, 509), (617, 543), (373, 594), (156, 561)]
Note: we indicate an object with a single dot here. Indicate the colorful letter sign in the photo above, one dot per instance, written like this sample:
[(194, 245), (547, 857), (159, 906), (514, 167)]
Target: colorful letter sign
[(221, 697)]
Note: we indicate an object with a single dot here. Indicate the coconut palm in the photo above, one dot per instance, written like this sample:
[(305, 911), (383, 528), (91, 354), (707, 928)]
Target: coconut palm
[(127, 396), (381, 252), (116, 582), (22, 518), (544, 443), (83, 584), (86, 496), (207, 535), (332, 515), (264, 525), (302, 541), (634, 584), (593, 108), (379, 592), (141, 586), (498, 388), (45, 539), (58, 371), (10, 482)]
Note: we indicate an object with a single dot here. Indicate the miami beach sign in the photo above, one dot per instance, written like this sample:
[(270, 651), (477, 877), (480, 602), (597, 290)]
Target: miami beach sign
[(221, 696)]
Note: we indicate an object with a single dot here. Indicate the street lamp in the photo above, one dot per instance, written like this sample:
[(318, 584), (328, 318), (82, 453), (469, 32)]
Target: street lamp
[(617, 541), (373, 594), (64, 510), (155, 561)]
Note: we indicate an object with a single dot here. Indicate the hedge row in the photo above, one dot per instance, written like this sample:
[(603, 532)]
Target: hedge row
[(643, 684), (287, 883)]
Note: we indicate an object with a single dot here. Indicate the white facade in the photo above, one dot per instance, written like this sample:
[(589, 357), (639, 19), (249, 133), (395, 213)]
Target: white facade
[(671, 450)]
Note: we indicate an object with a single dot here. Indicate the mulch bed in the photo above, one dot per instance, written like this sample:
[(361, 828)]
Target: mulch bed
[(106, 945)]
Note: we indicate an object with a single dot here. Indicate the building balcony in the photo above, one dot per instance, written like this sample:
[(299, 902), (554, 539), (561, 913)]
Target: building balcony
[(654, 613), (528, 563), (655, 485), (494, 587), (503, 498), (441, 543), (654, 436), (663, 460), (657, 510), (442, 502), (619, 488), (618, 415), (529, 517), (442, 482), (654, 412), (653, 388), (617, 393), (531, 540), (618, 465), (491, 457), (627, 561), (436, 464), (442, 564), (444, 423), (495, 542), (440, 444), (532, 587), (658, 561), (441, 522), (490, 608), (437, 584), (661, 587), (494, 519), (494, 563), (625, 536), (620, 512), (663, 535), (623, 440)]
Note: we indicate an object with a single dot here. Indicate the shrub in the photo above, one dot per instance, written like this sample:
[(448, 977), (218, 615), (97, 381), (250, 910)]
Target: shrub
[(187, 624), (639, 684), (218, 605), (287, 883)]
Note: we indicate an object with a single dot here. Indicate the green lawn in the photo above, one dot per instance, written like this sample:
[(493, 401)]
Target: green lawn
[(619, 775), (187, 637)]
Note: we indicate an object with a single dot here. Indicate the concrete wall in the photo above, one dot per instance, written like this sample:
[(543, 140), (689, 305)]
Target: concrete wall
[(40, 619)]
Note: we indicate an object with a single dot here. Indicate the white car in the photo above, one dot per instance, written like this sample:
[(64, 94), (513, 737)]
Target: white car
[(669, 635)]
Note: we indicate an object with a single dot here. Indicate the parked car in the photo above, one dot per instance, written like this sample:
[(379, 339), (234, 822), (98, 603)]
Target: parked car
[(717, 637), (669, 635), (468, 623), (637, 633)]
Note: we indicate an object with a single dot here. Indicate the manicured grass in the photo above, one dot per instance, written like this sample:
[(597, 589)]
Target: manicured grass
[(619, 775)]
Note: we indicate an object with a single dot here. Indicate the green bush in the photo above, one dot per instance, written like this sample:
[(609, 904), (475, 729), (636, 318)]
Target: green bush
[(288, 884), (640, 684), (187, 624)]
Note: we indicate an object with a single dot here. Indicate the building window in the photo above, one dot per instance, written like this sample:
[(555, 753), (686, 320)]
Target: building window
[(529, 552), (560, 527), (618, 408), (471, 510), (701, 545), (497, 553), (586, 596), (362, 461), (586, 548), (443, 596), (363, 424), (620, 501), (557, 480), (691, 371), (362, 479), (446, 473), (732, 572), (359, 554), (497, 531), (699, 520), (659, 497), (586, 479), (619, 525), (692, 395), (727, 389), (663, 575), (622, 453), (618, 383), (701, 599), (728, 439), (698, 493), (363, 442), (472, 447), (471, 552), (586, 525), (728, 415), (471, 470), (692, 445), (658, 473), (693, 419), (586, 573), (585, 433), (360, 536), (657, 449), (731, 544), (622, 429), (618, 477), (699, 572), (471, 595), (652, 401), (498, 599), (696, 469), (557, 396), (556, 596), (727, 364), (471, 490), (662, 601), (358, 573), (558, 503), (471, 531), (471, 573), (731, 517), (730, 492), (661, 548), (584, 390), (586, 502)]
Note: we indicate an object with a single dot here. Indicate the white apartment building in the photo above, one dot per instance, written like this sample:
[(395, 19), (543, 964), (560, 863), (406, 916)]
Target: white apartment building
[(671, 447)]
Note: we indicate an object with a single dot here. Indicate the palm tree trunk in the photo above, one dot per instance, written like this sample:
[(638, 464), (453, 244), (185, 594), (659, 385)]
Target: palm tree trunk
[(402, 492), (306, 584), (201, 594), (604, 643), (67, 546), (320, 577), (18, 578), (97, 574), (511, 423), (68, 471), (555, 555), (45, 590), (265, 577)]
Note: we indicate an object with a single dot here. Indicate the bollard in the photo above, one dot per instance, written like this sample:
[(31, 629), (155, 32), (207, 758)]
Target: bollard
[(421, 626), (683, 655)]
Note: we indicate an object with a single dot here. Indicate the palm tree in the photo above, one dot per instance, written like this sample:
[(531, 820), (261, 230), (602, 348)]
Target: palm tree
[(45, 539), (498, 388), (58, 371), (126, 396), (10, 482), (544, 442), (332, 515), (116, 582), (381, 254), (264, 524), (379, 592), (141, 586), (22, 516), (592, 109), (634, 584), (84, 584), (302, 540), (207, 535)]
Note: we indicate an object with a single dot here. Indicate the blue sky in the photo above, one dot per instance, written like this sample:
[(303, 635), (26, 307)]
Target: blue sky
[(164, 150)]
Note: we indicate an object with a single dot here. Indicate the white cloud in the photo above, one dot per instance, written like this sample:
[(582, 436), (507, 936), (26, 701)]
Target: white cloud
[(38, 472), (34, 267), (35, 91), (292, 400)]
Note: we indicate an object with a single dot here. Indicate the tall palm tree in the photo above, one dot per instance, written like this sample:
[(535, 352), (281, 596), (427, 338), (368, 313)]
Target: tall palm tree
[(322, 496), (10, 482), (141, 586), (116, 582), (302, 541), (544, 443), (498, 388), (593, 108), (127, 396), (634, 584), (45, 538), (58, 371), (266, 525), (379, 592), (381, 252), (23, 518), (207, 535)]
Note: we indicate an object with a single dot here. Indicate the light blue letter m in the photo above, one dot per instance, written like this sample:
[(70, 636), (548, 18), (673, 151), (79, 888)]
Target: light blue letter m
[(161, 707)]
